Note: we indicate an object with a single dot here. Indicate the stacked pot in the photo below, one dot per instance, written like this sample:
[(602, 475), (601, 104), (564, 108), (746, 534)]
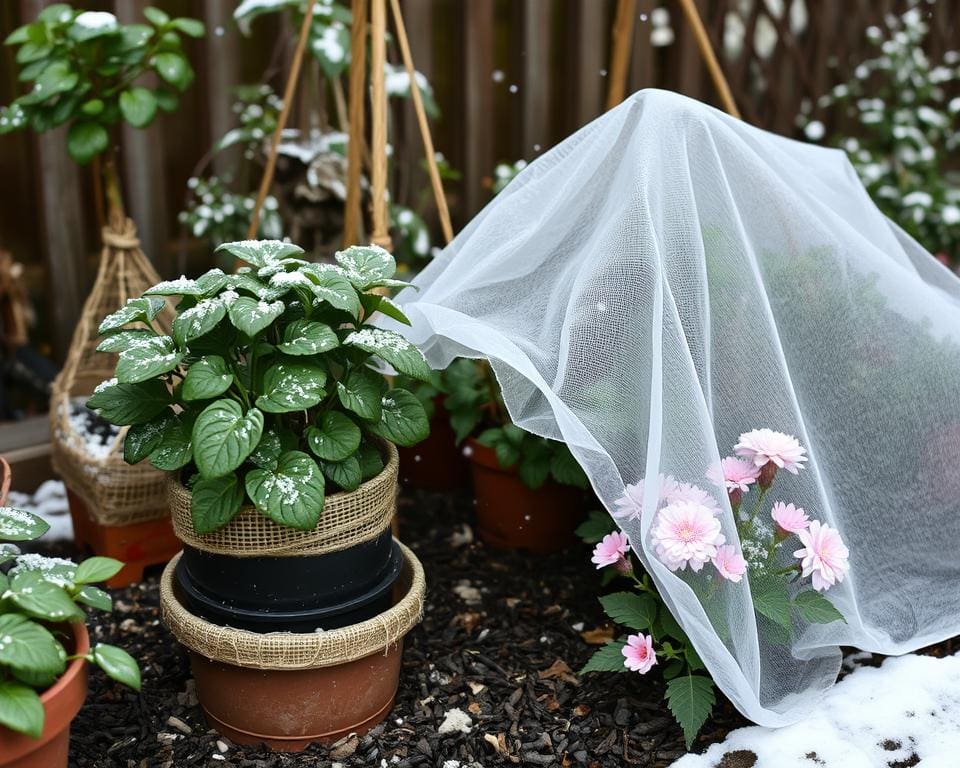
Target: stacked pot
[(295, 636)]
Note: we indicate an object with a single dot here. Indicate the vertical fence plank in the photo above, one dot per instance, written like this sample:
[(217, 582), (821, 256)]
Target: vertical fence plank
[(537, 76), (222, 73), (63, 225), (478, 134), (418, 19), (143, 169), (589, 60)]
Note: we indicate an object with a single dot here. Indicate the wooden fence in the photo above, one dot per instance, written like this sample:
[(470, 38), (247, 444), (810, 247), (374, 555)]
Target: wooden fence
[(511, 77)]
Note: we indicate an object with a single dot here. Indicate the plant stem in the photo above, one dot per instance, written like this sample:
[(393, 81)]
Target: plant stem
[(113, 189)]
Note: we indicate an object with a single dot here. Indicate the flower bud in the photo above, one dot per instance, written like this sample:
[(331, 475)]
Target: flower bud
[(624, 566), (767, 473)]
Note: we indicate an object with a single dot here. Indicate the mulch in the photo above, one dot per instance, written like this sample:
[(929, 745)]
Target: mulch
[(501, 640)]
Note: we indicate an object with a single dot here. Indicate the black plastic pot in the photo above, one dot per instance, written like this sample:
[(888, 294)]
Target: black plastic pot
[(291, 594)]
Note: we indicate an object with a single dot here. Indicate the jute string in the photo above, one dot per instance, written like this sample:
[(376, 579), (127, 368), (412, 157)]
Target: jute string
[(114, 492), (289, 650), (348, 519)]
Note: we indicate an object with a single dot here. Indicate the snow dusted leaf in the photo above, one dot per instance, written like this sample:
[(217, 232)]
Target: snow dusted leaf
[(182, 286), (199, 320), (123, 404), (304, 337), (20, 525), (252, 316), (207, 378), (175, 449), (134, 311), (212, 282), (292, 387), (33, 594), (123, 340), (330, 284), (335, 437), (292, 494), (392, 347), (347, 473), (360, 392), (260, 253), (223, 436), (402, 418), (147, 359), (365, 264), (141, 439)]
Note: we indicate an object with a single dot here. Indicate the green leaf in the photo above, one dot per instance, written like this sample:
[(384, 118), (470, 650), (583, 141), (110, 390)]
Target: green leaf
[(252, 316), (198, 321), (268, 450), (608, 659), (291, 387), (335, 437), (815, 608), (124, 340), (360, 392), (155, 16), (690, 699), (393, 348), (371, 462), (386, 306), (667, 625), (37, 597), (347, 473), (365, 264), (95, 598), (180, 287), (118, 664), (636, 611), (208, 377), (124, 404), (86, 140), (304, 337), (175, 69), (292, 494), (29, 646), (770, 599), (402, 418), (565, 468), (96, 569), (189, 27), (534, 466), (19, 36), (597, 525), (147, 360), (175, 448), (138, 106), (215, 502), (139, 310), (20, 525), (223, 437), (261, 253), (21, 709), (167, 101), (332, 287)]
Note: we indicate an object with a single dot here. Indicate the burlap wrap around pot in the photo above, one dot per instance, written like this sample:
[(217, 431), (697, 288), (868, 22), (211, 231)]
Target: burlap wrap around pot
[(114, 492), (288, 650), (348, 518)]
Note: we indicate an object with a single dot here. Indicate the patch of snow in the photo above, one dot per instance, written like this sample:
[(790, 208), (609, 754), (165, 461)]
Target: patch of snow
[(455, 721), (906, 712), (467, 592), (814, 130), (49, 501), (96, 20)]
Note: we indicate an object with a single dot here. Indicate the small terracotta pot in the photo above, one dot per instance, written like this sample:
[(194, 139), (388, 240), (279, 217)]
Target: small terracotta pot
[(512, 516), (437, 463), (61, 702), (5, 480), (289, 709), (137, 546)]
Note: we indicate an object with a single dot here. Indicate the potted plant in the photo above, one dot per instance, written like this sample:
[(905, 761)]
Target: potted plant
[(44, 645), (85, 72), (530, 491), (279, 435)]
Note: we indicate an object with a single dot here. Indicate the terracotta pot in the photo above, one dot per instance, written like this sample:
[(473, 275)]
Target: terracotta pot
[(512, 516), (436, 464), (61, 703), (289, 709), (137, 546), (4, 481)]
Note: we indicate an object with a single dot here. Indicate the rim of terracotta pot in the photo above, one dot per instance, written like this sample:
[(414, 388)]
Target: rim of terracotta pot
[(348, 518), (292, 650), (5, 481)]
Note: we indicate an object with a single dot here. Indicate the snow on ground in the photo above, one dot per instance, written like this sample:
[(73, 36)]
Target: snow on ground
[(49, 501), (904, 713)]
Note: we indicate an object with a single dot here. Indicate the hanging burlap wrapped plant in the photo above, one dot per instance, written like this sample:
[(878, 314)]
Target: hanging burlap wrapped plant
[(91, 463)]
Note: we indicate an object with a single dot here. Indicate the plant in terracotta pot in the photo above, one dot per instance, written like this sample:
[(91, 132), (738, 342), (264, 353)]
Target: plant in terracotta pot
[(530, 491), (86, 71), (266, 406), (44, 646)]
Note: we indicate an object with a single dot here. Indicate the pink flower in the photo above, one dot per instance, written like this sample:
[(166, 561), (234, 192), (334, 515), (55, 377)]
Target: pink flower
[(824, 555), (763, 446), (789, 519), (610, 550), (686, 533), (630, 505), (638, 654), (734, 474), (729, 563), (691, 492)]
